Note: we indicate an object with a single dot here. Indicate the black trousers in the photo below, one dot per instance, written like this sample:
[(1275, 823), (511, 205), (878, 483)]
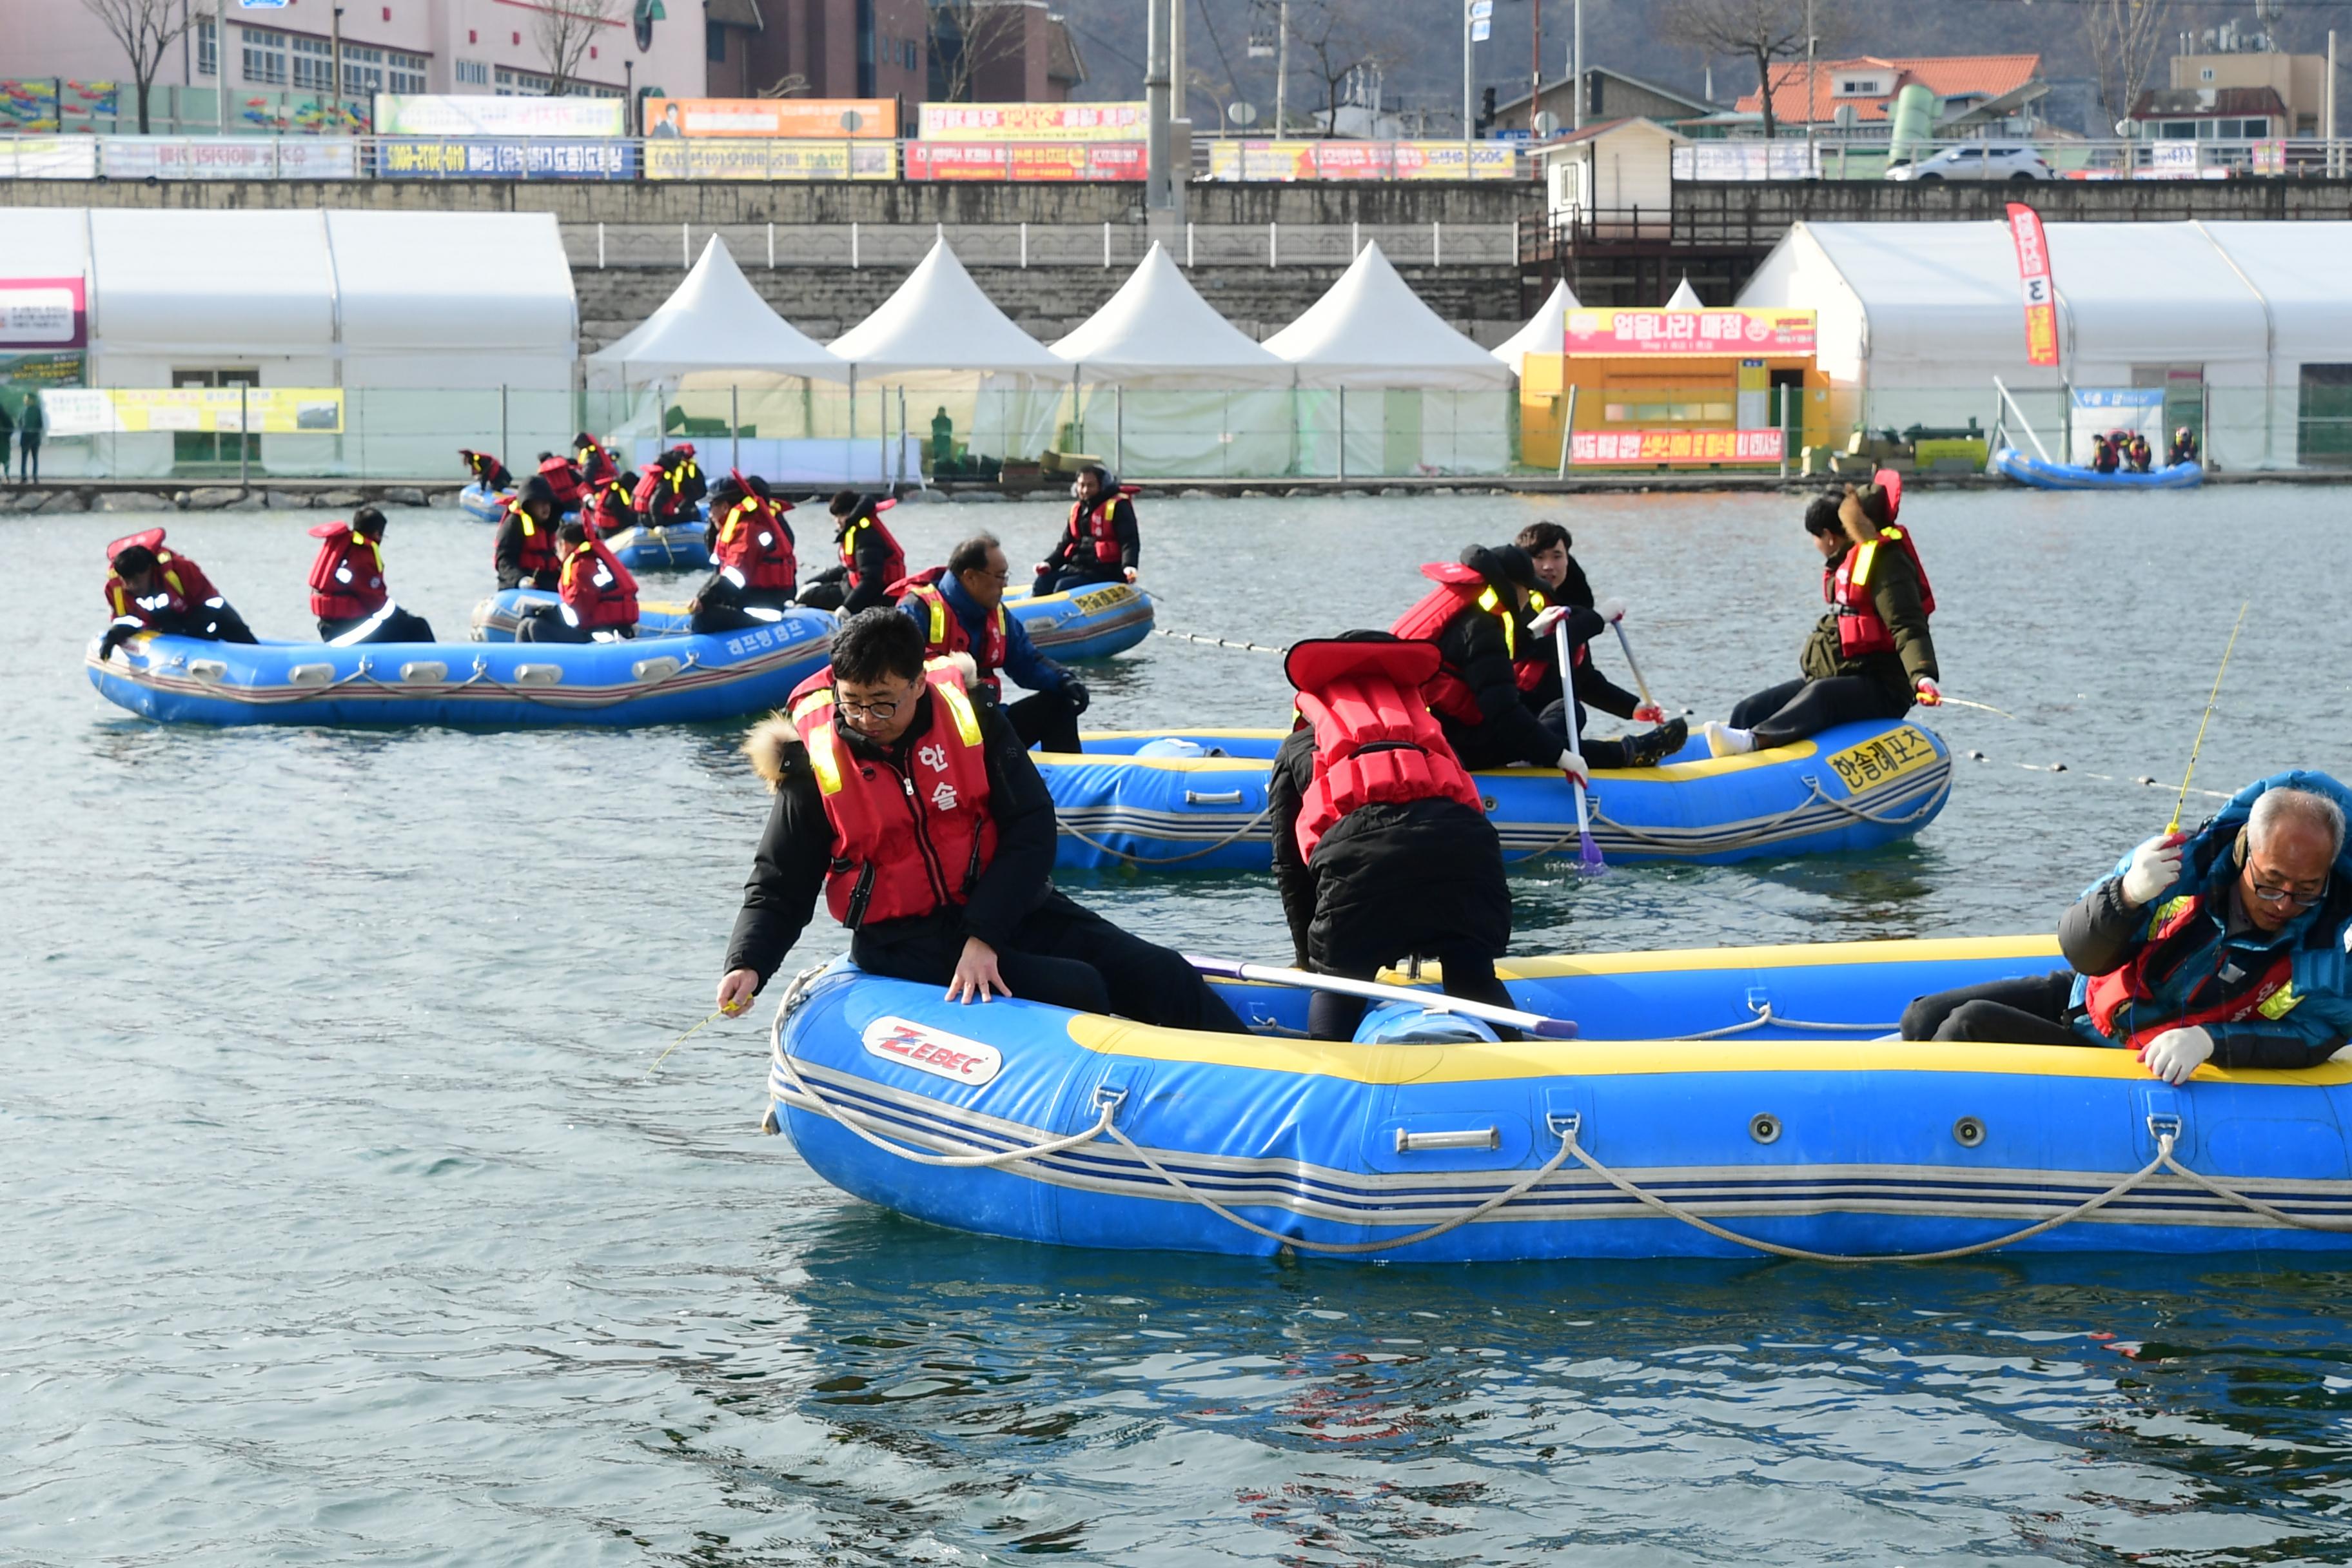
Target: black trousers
[(551, 626), (2027, 1012), (1558, 718), (1062, 953), (1046, 718), (1469, 975), (1070, 579), (721, 606), (1796, 708), (28, 459), (825, 595), (397, 627)]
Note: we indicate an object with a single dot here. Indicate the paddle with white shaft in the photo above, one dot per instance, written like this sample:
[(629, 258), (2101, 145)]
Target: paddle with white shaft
[(1555, 621), (1640, 685), (1373, 990)]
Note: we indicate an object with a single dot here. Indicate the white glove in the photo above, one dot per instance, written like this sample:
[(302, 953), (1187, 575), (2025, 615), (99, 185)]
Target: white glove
[(2173, 1055), (1610, 610), (1573, 766), (1547, 618), (2155, 866), (1929, 693)]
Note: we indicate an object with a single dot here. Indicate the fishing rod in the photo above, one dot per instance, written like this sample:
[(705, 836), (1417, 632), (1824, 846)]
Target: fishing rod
[(2174, 827), (715, 1017)]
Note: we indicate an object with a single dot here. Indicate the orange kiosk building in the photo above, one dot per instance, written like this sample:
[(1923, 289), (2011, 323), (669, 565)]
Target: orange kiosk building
[(1702, 387)]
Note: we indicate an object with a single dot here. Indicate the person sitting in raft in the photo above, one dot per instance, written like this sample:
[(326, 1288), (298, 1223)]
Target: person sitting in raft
[(965, 899), (871, 561), (1101, 543), (2183, 449), (752, 546), (487, 470), (669, 487), (152, 589), (595, 462), (2137, 453), (960, 609), (2104, 459), (606, 507), (1536, 664), (598, 599), (1871, 657), (1381, 848), (524, 553), (347, 587), (562, 478), (2226, 946)]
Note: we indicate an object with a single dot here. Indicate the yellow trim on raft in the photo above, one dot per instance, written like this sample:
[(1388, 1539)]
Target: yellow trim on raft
[(1785, 955), (1705, 767), (1390, 1064)]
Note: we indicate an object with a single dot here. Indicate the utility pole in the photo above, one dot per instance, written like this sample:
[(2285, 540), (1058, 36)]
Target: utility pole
[(1466, 108), (1812, 83), (1180, 128), (220, 62), (1576, 65), (1155, 96), (1535, 88), (335, 63), (1281, 69)]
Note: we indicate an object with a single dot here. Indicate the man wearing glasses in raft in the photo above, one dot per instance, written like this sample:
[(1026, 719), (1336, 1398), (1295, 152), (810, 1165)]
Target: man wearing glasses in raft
[(2224, 945), (914, 808)]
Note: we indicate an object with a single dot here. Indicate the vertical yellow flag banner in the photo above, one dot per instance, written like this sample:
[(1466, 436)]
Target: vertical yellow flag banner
[(2033, 274)]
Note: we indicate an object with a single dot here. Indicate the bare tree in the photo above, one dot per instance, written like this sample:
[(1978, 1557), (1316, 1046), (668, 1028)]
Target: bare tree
[(2125, 39), (791, 84), (1761, 30), (967, 36), (145, 29), (563, 29), (1337, 45)]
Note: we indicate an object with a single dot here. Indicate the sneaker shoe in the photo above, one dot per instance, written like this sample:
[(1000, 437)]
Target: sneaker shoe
[(1651, 748), (1723, 741)]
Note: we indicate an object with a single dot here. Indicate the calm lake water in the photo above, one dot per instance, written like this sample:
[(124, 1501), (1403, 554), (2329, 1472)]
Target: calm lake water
[(343, 1222)]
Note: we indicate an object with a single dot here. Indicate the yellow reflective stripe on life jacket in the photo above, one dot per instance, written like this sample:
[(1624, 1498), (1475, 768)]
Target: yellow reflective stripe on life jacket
[(2167, 911), (1864, 555), (959, 702), (824, 759), (2281, 1002), (931, 600), (1491, 602)]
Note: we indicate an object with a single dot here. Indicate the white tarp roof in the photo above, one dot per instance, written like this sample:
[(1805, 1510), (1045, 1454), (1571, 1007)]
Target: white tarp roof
[(939, 320), (1371, 330), (1157, 330), (2298, 268), (1685, 297), (715, 322), (453, 282), (173, 280), (1546, 331)]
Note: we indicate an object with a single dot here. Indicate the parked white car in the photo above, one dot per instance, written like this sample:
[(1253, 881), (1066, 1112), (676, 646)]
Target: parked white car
[(1976, 163)]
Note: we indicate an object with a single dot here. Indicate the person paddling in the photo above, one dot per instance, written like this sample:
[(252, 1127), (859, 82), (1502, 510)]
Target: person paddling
[(347, 594)]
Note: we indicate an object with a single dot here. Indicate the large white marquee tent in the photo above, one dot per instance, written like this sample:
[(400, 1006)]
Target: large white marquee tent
[(2237, 321)]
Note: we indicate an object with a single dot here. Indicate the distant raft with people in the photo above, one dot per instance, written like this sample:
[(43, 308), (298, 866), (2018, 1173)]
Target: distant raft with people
[(1715, 1103), (1093, 623), (663, 547), (1195, 800), (645, 680), (2038, 473)]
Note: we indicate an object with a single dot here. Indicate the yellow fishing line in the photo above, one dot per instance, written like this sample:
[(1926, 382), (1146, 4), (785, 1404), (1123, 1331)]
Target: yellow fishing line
[(2174, 827), (674, 1044)]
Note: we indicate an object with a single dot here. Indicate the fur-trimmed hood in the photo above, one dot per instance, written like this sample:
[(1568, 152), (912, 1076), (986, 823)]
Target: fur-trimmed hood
[(774, 746)]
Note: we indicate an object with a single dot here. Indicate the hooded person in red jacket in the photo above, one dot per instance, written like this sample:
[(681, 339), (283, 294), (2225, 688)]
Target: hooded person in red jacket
[(597, 596), (347, 587)]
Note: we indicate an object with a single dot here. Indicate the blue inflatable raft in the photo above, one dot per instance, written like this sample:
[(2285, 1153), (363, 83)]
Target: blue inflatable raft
[(484, 505), (679, 547), (1062, 628), (1718, 1103), (2046, 476), (648, 680), (1856, 786)]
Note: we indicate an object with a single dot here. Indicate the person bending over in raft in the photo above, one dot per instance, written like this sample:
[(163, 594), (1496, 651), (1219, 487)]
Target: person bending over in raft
[(1475, 617), (752, 546), (960, 609), (152, 589), (523, 553), (599, 597), (1871, 657), (2183, 449), (2139, 453), (917, 814), (2226, 945), (871, 561), (606, 507), (488, 471), (1101, 543), (1381, 849), (670, 487), (347, 588), (1538, 664)]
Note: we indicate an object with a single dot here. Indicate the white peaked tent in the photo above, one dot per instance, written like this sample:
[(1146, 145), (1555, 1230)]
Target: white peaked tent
[(1429, 400), (716, 322), (940, 322), (1685, 297), (1172, 387), (1546, 331)]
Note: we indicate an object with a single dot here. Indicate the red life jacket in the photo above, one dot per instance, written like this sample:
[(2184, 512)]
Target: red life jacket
[(180, 582), (606, 508), (488, 471), (1459, 588), (657, 499), (1374, 738), (598, 589), (881, 870), (754, 544), (347, 577), (1846, 586), (595, 465), (1092, 528), (563, 479), (2110, 998), (894, 568), (944, 634), (538, 556)]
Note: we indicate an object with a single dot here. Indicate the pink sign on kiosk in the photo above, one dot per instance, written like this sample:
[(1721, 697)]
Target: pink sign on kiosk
[(44, 313), (1743, 332)]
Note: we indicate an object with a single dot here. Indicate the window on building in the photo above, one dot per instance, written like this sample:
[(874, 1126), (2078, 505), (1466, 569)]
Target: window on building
[(265, 56), (714, 42), (2322, 435), (362, 71), (402, 73), (473, 73), (207, 47), (511, 83), (907, 54), (2177, 131), (2204, 73), (313, 63)]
